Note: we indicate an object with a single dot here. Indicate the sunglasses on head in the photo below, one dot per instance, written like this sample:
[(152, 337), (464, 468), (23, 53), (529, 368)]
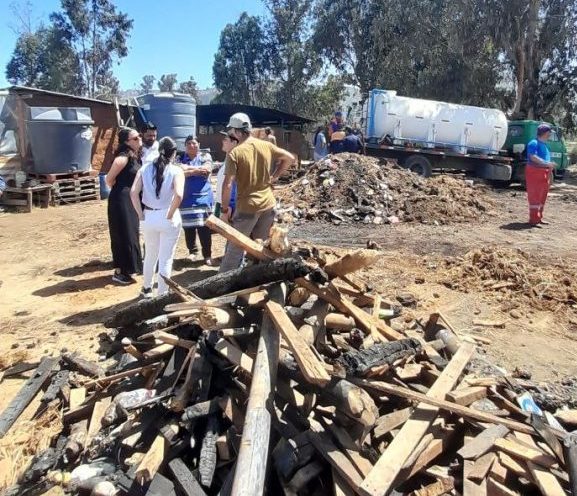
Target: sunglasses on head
[(135, 137)]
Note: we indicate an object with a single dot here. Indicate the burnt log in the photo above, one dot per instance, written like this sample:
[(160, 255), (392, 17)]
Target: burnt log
[(283, 269), (358, 363)]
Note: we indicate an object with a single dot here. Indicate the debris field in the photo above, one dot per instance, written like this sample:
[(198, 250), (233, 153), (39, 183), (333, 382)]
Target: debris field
[(288, 376), (356, 188)]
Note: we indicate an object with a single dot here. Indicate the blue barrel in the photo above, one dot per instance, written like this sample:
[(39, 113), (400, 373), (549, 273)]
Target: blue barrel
[(174, 114), (104, 189)]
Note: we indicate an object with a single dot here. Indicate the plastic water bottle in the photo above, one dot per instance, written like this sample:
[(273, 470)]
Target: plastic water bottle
[(130, 399)]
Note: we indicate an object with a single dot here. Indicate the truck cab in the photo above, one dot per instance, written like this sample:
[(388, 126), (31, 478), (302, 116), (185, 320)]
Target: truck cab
[(520, 133)]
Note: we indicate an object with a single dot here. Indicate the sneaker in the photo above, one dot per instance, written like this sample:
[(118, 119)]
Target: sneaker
[(209, 262), (194, 257), (146, 292), (123, 279)]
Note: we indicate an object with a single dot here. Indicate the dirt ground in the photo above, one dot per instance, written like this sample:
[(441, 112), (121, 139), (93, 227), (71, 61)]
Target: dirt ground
[(56, 288)]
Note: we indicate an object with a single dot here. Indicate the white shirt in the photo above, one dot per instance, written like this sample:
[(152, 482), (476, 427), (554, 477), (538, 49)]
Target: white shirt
[(164, 199), (219, 184), (149, 153)]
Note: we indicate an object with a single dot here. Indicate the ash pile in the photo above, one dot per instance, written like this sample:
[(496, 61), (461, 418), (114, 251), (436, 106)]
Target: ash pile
[(355, 188), (289, 376)]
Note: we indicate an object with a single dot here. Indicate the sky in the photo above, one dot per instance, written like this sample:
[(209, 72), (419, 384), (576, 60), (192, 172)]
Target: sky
[(168, 36)]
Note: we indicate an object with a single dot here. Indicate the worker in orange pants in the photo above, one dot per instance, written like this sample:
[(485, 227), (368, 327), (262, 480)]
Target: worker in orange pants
[(538, 174)]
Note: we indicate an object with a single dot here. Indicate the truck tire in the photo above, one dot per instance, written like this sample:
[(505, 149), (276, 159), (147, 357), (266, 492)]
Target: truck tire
[(419, 165)]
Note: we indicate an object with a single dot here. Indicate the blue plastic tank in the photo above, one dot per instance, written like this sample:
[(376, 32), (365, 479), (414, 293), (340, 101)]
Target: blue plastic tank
[(174, 114), (60, 139)]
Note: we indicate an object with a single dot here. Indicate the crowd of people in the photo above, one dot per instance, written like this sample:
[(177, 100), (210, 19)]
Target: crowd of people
[(157, 192)]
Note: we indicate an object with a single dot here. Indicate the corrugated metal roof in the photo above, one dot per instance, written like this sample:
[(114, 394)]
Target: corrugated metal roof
[(216, 114), (27, 89)]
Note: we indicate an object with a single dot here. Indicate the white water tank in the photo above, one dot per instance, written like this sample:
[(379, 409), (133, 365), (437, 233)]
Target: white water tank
[(435, 124)]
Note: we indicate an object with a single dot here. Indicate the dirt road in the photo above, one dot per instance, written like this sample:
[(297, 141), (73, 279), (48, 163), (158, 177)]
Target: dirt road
[(56, 287)]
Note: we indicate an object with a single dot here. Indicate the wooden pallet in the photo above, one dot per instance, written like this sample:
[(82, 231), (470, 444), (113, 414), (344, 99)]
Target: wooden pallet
[(52, 178), (40, 195)]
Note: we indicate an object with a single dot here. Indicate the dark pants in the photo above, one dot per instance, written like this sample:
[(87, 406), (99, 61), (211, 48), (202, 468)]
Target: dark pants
[(205, 235)]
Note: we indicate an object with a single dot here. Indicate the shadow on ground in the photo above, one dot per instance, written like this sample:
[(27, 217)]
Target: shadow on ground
[(518, 226), (91, 266), (74, 286)]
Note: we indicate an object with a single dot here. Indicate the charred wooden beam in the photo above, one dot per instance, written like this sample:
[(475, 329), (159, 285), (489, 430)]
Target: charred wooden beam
[(207, 462), (184, 480), (360, 362), (75, 362), (284, 269), (26, 394)]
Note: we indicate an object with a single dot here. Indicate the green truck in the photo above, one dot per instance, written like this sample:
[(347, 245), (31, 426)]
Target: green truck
[(519, 134)]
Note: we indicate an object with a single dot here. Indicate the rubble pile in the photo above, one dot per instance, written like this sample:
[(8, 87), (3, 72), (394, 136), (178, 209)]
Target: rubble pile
[(285, 377), (514, 273), (355, 188)]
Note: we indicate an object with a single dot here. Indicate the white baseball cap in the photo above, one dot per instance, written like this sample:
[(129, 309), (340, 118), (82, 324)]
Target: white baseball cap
[(239, 121)]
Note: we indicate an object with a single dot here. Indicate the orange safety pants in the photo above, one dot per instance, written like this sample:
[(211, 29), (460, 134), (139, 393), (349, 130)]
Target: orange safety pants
[(538, 181)]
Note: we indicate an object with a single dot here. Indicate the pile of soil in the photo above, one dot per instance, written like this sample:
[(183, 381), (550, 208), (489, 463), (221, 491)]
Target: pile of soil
[(515, 273), (355, 188)]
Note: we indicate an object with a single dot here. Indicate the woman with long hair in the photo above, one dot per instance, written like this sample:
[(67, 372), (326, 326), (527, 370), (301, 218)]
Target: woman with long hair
[(122, 218), (162, 185), (198, 200)]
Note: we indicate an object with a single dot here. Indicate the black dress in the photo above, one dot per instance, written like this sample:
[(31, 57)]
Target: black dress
[(123, 221)]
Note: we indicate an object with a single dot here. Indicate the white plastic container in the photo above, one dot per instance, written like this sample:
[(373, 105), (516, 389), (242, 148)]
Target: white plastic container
[(433, 124)]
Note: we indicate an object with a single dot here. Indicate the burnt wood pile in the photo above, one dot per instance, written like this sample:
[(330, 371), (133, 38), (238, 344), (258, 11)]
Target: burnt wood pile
[(291, 377)]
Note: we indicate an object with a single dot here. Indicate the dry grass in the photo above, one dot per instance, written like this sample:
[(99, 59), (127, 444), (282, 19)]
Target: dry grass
[(24, 441)]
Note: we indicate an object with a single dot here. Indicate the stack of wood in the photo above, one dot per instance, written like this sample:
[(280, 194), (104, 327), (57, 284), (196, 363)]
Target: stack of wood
[(284, 377)]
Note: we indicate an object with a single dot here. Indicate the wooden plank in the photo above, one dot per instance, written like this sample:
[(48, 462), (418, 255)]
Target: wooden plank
[(495, 488), (77, 397), (311, 366), (517, 467), (481, 467), (463, 411), (121, 375), (466, 396), (340, 486), (381, 479), (547, 482), (483, 442), (363, 465), (98, 412), (335, 457), (26, 394), (158, 351), (527, 453), (237, 238), (471, 488), (390, 421), (498, 472), (86, 367), (234, 355), (363, 319), (155, 456), (251, 464)]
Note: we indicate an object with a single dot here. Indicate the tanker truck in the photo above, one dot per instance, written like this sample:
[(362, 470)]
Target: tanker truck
[(425, 135)]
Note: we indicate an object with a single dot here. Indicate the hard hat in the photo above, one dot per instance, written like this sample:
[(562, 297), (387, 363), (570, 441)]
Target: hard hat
[(239, 121)]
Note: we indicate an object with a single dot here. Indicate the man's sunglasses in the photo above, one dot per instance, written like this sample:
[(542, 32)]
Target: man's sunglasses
[(231, 138)]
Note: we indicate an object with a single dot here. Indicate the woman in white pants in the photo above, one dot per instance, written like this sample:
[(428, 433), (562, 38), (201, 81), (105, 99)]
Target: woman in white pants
[(162, 185)]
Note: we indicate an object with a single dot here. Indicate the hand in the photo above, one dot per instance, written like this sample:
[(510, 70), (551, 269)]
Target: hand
[(225, 216)]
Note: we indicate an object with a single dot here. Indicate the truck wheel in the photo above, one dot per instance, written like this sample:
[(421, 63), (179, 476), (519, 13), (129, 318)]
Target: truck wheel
[(419, 165)]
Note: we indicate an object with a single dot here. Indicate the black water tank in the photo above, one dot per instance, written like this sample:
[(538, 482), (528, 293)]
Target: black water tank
[(174, 114), (60, 139)]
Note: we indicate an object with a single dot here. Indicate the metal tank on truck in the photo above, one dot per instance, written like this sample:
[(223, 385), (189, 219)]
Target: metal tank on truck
[(424, 135), (174, 114)]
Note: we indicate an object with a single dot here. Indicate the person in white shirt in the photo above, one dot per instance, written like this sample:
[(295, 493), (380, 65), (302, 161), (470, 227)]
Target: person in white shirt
[(162, 186), (149, 150)]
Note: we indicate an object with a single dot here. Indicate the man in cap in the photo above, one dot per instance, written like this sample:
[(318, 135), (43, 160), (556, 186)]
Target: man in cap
[(249, 165), (538, 172)]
